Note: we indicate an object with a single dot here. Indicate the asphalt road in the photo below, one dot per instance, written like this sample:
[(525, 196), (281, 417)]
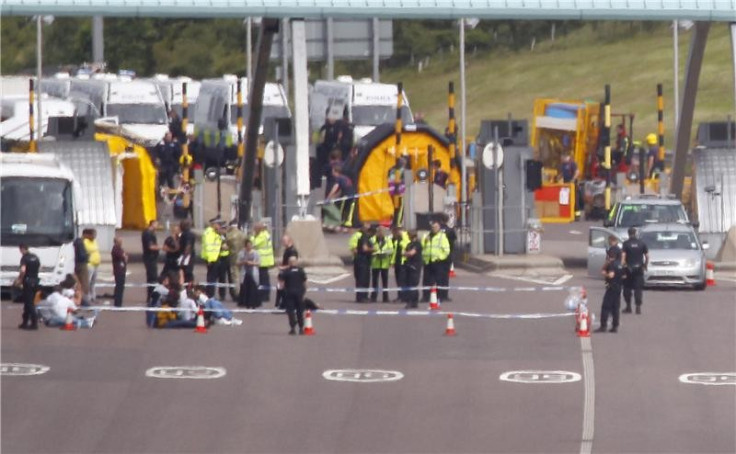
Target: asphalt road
[(96, 397)]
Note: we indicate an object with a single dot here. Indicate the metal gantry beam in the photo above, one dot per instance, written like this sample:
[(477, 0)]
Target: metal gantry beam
[(660, 10)]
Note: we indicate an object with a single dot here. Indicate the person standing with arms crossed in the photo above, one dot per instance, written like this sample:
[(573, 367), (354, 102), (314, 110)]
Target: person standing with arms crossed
[(150, 256), (119, 268), (613, 272), (635, 258), (28, 278), (263, 245)]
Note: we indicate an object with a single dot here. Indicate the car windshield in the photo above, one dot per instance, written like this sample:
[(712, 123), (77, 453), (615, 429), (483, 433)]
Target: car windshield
[(268, 112), (142, 114), (36, 211), (180, 110), (634, 215), (670, 240), (373, 115)]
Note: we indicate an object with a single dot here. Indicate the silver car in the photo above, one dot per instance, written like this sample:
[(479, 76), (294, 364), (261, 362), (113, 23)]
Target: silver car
[(676, 256), (637, 211)]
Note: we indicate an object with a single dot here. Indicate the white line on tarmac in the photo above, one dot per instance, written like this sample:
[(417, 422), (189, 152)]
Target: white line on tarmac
[(329, 280), (558, 281), (586, 444)]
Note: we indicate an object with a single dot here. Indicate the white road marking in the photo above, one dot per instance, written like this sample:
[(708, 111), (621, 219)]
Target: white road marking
[(540, 376), (586, 444), (327, 280), (22, 370), (362, 375), (551, 280), (193, 372), (709, 378), (576, 232)]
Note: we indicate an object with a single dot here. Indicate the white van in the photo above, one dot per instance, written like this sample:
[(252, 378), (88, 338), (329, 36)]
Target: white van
[(216, 115), (15, 115), (137, 105), (366, 104)]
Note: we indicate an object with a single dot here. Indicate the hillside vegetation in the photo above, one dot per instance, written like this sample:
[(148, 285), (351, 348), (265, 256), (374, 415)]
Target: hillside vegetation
[(575, 67)]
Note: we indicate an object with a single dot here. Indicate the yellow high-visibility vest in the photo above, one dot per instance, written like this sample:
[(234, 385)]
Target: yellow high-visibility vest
[(211, 244), (435, 248), (382, 253), (262, 244)]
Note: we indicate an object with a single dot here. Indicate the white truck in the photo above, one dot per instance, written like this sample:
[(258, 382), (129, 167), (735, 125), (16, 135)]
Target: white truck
[(216, 120), (39, 203), (366, 104), (137, 105)]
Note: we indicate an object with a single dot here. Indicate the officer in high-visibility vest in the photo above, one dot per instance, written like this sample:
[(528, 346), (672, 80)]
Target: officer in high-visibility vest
[(262, 244), (399, 240), (383, 251), (363, 255), (435, 249), (211, 244), (224, 276)]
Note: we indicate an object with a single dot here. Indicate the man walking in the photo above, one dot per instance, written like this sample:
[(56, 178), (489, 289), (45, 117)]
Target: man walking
[(28, 278), (150, 256), (635, 258), (612, 271), (294, 280)]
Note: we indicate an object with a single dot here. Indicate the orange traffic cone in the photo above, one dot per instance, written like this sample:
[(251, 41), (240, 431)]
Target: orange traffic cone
[(450, 330), (308, 328), (584, 324), (710, 273), (69, 322), (452, 270), (201, 328), (434, 304)]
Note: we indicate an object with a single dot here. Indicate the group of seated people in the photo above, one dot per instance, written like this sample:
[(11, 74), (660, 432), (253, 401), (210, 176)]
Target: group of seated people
[(66, 298), (184, 304)]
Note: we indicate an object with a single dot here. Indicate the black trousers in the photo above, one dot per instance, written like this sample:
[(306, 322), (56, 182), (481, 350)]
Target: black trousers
[(294, 305), (412, 280), (634, 282), (400, 275), (29, 309), (611, 306), (151, 275), (213, 274), (362, 279), (224, 276), (443, 279), (264, 281), (431, 277), (119, 288), (383, 274)]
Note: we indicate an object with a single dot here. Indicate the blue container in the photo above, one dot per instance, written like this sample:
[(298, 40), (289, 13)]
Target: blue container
[(562, 110)]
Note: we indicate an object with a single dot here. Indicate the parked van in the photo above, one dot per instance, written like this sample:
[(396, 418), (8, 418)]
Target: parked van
[(15, 115), (137, 105), (215, 118), (365, 103)]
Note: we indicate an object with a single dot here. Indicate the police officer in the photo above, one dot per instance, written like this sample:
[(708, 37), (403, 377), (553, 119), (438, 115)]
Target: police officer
[(613, 272), (635, 259), (412, 269), (150, 256), (224, 275), (263, 245), (211, 244), (289, 252), (614, 247), (380, 263), (435, 249), (444, 274), (353, 246), (235, 239), (399, 240), (28, 278), (364, 252), (294, 280)]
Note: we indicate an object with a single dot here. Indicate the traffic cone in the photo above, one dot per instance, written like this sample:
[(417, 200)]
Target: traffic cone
[(452, 270), (201, 328), (69, 322), (584, 325), (710, 274), (308, 328), (450, 330), (434, 304)]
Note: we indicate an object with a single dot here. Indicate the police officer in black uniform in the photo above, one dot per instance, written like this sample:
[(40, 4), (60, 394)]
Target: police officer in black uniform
[(613, 272), (363, 264), (412, 269), (28, 278), (294, 280), (150, 255), (635, 259)]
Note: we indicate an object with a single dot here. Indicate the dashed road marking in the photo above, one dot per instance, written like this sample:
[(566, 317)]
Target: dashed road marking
[(22, 370), (192, 372), (709, 378), (540, 376), (362, 375)]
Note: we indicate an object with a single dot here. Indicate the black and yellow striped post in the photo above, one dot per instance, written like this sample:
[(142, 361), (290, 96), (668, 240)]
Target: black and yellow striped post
[(241, 146), (399, 126), (31, 117), (660, 124), (607, 143), (398, 198), (186, 159), (452, 124)]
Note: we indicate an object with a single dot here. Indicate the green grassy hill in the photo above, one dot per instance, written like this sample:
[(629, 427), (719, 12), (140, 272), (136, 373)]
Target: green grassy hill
[(576, 66)]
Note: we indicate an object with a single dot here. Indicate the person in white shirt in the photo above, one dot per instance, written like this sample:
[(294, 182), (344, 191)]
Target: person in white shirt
[(56, 306)]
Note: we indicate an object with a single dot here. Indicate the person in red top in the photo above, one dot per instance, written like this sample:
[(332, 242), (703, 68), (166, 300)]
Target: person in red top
[(119, 268)]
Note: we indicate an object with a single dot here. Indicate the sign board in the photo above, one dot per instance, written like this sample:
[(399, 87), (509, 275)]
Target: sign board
[(273, 154), (490, 153), (533, 242), (352, 39)]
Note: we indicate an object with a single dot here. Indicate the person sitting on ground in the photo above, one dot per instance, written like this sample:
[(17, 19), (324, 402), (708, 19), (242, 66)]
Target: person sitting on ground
[(57, 305), (214, 308)]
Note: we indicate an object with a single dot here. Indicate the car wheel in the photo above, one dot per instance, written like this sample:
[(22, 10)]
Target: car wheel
[(700, 286)]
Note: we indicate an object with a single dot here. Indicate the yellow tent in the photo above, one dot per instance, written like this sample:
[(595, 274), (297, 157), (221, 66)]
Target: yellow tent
[(139, 180), (377, 154)]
